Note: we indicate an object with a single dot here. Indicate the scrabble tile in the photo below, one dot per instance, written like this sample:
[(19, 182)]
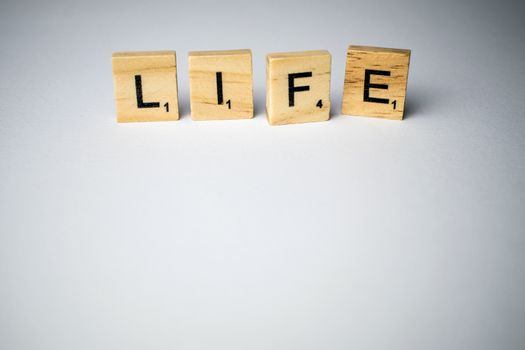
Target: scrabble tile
[(221, 84), (145, 86), (298, 87), (375, 82)]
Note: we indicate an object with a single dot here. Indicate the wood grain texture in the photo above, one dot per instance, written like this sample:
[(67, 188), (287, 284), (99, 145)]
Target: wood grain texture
[(309, 105), (236, 84), (158, 79), (386, 100)]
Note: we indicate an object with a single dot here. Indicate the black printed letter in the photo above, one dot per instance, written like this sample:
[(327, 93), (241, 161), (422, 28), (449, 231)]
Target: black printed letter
[(368, 86), (220, 99), (292, 88), (140, 101)]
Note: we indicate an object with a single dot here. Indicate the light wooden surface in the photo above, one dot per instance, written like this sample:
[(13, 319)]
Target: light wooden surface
[(221, 84), (154, 74), (387, 81), (309, 73)]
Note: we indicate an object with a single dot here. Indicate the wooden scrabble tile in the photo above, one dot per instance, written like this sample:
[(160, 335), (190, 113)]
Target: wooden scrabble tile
[(375, 82), (145, 86), (298, 87), (221, 84)]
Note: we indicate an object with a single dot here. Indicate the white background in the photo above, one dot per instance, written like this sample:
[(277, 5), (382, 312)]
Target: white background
[(356, 233)]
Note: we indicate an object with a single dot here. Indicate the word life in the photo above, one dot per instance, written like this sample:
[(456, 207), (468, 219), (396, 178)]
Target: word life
[(297, 85)]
